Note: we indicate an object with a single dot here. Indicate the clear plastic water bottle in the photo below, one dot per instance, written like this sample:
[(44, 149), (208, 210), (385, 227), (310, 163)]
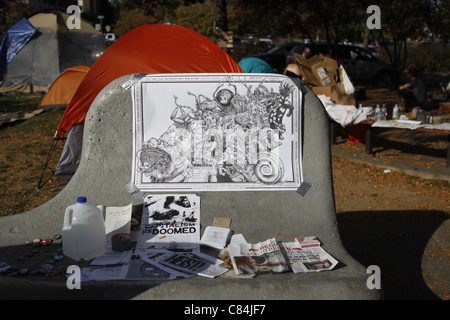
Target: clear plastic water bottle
[(395, 112), (420, 115), (383, 115), (83, 233), (377, 113)]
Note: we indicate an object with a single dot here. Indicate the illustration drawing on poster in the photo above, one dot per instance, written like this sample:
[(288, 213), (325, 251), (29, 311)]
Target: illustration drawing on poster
[(217, 132)]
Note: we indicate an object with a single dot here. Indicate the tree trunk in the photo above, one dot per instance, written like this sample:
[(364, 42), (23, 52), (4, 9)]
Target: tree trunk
[(222, 20)]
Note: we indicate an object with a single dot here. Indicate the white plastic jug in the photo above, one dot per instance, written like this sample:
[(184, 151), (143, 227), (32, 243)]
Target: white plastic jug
[(83, 233)]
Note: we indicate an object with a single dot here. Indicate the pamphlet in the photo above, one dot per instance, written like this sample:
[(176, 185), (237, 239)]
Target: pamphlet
[(169, 222), (117, 220), (237, 238), (154, 256), (139, 269), (110, 257), (105, 273), (216, 237), (191, 263)]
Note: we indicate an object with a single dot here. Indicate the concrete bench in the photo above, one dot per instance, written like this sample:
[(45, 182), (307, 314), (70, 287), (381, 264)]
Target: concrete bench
[(104, 171)]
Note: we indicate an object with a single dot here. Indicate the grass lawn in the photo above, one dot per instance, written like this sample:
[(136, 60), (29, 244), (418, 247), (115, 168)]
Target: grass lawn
[(24, 149)]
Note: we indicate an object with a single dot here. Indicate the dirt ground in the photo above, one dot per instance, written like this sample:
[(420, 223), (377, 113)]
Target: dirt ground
[(367, 193), (394, 220), (364, 192)]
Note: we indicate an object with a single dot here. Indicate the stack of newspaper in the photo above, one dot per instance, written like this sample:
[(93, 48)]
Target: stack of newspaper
[(302, 255)]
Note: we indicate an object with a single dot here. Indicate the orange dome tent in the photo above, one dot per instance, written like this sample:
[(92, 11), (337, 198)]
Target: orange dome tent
[(61, 91), (153, 48)]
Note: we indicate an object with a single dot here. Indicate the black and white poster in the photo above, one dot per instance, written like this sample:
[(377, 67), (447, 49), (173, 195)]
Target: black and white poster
[(216, 132), (170, 222)]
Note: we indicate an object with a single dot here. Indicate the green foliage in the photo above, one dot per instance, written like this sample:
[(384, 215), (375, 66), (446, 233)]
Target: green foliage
[(130, 14), (147, 7), (199, 17), (429, 58), (134, 18), (12, 12), (438, 18)]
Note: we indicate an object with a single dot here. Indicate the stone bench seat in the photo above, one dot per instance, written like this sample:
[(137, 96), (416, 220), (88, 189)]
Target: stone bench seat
[(104, 171)]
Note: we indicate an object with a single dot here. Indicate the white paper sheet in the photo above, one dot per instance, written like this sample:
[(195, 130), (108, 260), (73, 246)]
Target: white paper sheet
[(217, 132)]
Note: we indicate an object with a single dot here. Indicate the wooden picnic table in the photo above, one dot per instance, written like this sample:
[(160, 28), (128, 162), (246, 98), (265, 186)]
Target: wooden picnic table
[(369, 135)]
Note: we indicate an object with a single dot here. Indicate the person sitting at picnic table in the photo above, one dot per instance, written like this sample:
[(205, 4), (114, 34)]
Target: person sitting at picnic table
[(413, 93)]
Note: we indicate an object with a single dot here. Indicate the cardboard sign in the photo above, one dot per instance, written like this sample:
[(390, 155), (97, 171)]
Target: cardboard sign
[(222, 222)]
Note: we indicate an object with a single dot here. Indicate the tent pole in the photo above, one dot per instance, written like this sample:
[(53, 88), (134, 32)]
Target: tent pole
[(49, 156)]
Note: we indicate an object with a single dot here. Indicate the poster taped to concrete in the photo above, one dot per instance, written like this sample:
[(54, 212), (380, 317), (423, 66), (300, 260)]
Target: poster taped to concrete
[(217, 132)]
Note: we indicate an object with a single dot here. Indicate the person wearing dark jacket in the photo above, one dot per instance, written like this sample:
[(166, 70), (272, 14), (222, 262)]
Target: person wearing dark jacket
[(413, 93)]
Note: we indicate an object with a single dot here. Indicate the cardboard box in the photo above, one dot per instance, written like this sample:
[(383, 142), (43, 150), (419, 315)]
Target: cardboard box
[(336, 93), (323, 77), (314, 71), (332, 68), (224, 39)]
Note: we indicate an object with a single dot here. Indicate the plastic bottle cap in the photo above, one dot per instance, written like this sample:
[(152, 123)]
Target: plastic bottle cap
[(81, 200)]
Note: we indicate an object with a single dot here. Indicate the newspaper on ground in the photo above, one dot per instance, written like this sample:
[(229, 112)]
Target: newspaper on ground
[(308, 259), (262, 257)]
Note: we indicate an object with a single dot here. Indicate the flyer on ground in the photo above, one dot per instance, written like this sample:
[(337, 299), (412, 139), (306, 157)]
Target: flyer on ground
[(170, 222), (216, 132)]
